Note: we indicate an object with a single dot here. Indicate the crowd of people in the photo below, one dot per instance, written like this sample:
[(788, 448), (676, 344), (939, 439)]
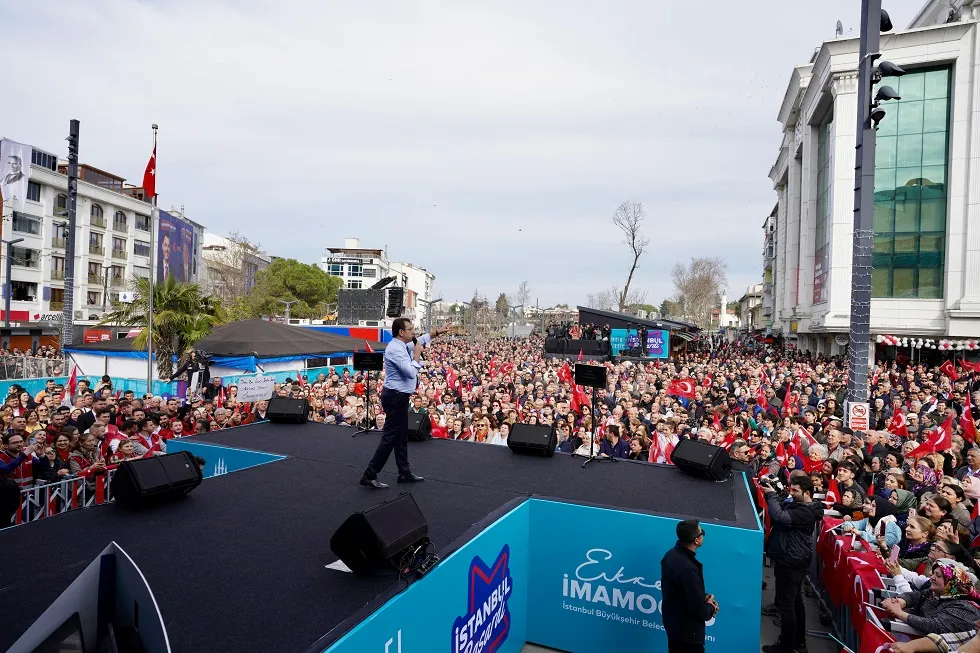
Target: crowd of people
[(909, 486)]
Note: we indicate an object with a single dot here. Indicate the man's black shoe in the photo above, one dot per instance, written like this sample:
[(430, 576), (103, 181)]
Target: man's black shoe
[(770, 610), (373, 483), (409, 478)]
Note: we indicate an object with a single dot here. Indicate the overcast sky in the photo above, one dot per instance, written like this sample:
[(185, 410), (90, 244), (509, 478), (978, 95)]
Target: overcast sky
[(489, 142)]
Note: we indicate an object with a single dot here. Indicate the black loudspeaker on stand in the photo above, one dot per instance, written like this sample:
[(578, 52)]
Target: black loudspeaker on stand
[(532, 439), (419, 427), (286, 410), (149, 481), (592, 376), (702, 460), (367, 362), (392, 536)]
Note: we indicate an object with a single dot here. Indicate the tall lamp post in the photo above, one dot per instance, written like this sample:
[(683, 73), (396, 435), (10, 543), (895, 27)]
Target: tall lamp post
[(6, 282), (105, 285), (473, 327), (428, 311), (873, 21), (513, 310), (288, 305)]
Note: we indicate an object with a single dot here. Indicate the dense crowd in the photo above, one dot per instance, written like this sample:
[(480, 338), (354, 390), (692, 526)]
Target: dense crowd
[(908, 487)]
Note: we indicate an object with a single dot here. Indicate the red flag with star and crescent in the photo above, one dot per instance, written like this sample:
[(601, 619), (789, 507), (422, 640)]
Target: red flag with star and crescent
[(150, 176), (941, 439), (682, 388), (967, 424), (898, 424), (949, 370)]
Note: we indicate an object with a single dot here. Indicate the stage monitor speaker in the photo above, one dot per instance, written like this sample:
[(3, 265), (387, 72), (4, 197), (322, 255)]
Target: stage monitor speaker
[(369, 361), (591, 376), (285, 410), (147, 481), (532, 439), (419, 427), (702, 459), (396, 301), (368, 541)]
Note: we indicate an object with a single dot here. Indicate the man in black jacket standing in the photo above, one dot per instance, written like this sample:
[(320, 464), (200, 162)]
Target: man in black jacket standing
[(685, 604), (790, 547)]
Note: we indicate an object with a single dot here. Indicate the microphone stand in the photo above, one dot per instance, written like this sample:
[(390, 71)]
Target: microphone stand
[(367, 409), (595, 430)]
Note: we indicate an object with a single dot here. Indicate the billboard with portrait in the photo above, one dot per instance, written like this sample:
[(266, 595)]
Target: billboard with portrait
[(175, 248)]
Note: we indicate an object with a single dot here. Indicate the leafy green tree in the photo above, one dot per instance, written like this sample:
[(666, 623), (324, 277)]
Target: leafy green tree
[(501, 305), (290, 280), (182, 315)]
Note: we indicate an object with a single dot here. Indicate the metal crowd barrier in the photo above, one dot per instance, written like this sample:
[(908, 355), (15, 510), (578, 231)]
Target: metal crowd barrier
[(31, 367), (73, 493)]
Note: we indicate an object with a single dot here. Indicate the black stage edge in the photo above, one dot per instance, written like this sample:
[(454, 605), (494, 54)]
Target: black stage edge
[(238, 565)]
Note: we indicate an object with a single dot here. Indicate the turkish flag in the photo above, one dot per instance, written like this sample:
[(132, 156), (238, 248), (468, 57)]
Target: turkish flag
[(781, 456), (970, 367), (507, 368), (833, 492), (941, 439), (150, 176), (581, 355), (898, 424), (367, 347), (716, 421), (948, 369), (706, 383), (682, 388), (565, 373), (760, 399), (966, 422)]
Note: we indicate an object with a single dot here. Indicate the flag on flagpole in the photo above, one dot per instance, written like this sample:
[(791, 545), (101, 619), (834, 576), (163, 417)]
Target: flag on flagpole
[(150, 175), (941, 439), (950, 371), (966, 421), (682, 388), (70, 387), (898, 424), (581, 355), (367, 347)]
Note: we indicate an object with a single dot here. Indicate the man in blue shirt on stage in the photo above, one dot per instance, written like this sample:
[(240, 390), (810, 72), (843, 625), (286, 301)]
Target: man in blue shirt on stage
[(402, 364)]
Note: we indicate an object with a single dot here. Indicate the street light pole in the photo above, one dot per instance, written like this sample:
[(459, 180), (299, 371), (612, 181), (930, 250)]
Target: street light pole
[(6, 284), (473, 311), (288, 304), (105, 286), (428, 311)]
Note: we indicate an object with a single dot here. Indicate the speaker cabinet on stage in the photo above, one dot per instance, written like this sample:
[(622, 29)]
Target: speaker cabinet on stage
[(285, 410), (419, 427), (396, 301), (702, 459), (532, 439), (147, 481), (367, 541)]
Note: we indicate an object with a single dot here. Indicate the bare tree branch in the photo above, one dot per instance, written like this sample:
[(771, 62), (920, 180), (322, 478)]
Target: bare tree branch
[(629, 218), (698, 286)]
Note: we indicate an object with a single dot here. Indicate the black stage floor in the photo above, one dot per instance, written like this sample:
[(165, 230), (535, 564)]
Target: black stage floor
[(239, 564)]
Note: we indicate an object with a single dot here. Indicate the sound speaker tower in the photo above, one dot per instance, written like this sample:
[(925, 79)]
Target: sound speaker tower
[(148, 481), (285, 410), (702, 459)]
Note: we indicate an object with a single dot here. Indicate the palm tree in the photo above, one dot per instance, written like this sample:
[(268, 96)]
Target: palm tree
[(182, 315)]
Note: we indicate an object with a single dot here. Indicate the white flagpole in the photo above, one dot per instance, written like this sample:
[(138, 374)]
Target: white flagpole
[(154, 221)]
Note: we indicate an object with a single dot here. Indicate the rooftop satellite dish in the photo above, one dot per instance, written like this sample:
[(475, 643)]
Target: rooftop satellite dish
[(840, 29)]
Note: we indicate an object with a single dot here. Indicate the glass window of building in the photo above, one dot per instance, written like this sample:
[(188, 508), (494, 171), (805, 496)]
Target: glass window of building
[(142, 222), (823, 219), (34, 191), (354, 284), (61, 203), (92, 298), (23, 291), (910, 188), (141, 248), (24, 257), (141, 271), (26, 224), (354, 270), (119, 221), (335, 269)]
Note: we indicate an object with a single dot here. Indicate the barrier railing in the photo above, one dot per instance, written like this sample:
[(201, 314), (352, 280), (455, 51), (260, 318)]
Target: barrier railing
[(30, 367), (73, 493)]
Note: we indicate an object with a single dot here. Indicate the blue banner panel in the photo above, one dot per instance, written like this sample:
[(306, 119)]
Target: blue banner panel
[(474, 601), (595, 581), (221, 460), (658, 341)]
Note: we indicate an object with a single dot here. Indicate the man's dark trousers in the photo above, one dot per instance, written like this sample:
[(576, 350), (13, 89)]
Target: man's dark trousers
[(394, 436), (789, 600), (683, 647)]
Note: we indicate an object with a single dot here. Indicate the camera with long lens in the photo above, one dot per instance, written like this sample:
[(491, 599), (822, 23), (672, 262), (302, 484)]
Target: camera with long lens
[(768, 481)]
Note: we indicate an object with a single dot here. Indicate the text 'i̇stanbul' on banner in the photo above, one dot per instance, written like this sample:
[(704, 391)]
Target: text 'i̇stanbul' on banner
[(255, 388)]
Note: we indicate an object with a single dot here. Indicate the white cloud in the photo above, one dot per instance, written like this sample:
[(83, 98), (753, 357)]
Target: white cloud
[(487, 142)]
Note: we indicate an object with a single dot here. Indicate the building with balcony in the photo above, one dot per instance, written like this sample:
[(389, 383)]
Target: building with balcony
[(750, 308), (769, 248), (926, 256), (361, 268), (112, 242), (230, 267)]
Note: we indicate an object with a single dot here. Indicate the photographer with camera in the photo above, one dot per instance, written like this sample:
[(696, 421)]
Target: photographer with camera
[(790, 547)]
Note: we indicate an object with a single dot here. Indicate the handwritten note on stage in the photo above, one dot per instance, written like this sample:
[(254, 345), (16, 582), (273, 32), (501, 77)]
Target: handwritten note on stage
[(255, 388)]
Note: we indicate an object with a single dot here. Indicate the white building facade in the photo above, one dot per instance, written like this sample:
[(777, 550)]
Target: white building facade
[(926, 280), (112, 243), (361, 268)]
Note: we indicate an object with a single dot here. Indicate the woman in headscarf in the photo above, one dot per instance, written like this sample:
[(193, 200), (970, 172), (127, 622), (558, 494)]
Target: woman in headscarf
[(951, 603), (875, 479), (879, 525), (903, 500), (924, 478), (850, 505)]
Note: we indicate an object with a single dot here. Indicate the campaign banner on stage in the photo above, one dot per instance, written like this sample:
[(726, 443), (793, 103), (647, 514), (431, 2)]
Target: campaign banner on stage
[(474, 601), (595, 581), (658, 341)]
